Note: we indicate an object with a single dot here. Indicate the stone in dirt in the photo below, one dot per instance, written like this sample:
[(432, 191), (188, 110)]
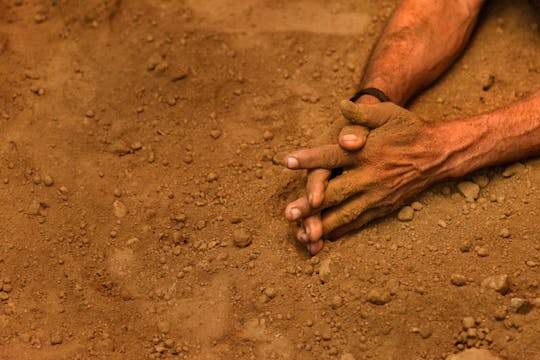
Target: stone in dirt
[(458, 280), (379, 296), (481, 180), (337, 302), (513, 170), (270, 292), (216, 133), (120, 148), (468, 322), (481, 251), (324, 271), (56, 339), (242, 237), (469, 190), (520, 306), (504, 233), (417, 205), (119, 209), (405, 214), (499, 283), (164, 326), (474, 354)]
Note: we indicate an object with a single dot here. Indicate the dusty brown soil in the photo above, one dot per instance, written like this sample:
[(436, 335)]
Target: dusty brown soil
[(138, 139)]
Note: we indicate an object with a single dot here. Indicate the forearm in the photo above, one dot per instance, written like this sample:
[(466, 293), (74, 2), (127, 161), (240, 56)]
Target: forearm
[(420, 41), (501, 136)]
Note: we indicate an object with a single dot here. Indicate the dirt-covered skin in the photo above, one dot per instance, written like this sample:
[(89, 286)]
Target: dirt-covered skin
[(143, 190)]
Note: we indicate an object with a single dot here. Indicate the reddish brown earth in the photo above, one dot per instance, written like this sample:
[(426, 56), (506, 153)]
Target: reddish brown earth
[(138, 138)]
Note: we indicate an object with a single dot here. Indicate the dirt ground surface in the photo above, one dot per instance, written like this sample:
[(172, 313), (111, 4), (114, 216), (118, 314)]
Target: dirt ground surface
[(142, 212)]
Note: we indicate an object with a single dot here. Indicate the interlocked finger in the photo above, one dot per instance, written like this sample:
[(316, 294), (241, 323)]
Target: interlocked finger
[(325, 157), (372, 116), (316, 185)]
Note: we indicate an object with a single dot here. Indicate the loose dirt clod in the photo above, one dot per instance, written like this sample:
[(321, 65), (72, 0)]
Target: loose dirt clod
[(48, 181), (164, 326), (481, 180), (504, 233), (216, 133), (325, 272), (513, 169), (119, 209), (520, 306), (406, 213), (337, 302), (242, 237), (379, 296), (458, 280), (469, 190), (267, 135), (56, 339), (417, 205), (499, 283)]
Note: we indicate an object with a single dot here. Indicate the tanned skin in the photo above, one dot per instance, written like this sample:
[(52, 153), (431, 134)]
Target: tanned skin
[(389, 153)]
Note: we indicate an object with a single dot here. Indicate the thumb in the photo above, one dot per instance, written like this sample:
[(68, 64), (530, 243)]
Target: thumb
[(372, 116)]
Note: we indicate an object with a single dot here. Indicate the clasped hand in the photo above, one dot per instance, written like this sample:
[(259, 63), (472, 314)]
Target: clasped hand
[(396, 155)]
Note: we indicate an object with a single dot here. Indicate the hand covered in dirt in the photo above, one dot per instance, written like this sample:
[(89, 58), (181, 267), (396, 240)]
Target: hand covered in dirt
[(402, 156)]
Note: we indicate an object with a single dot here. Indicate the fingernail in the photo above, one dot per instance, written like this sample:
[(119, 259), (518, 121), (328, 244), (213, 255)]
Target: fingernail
[(310, 198), (294, 213), (292, 163), (350, 138), (308, 231), (308, 247)]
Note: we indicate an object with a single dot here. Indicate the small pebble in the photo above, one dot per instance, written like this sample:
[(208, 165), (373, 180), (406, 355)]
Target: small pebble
[(56, 339), (164, 326), (504, 233), (500, 314), (242, 237), (417, 205), (270, 292), (379, 296), (442, 224), (267, 135), (337, 302), (481, 251), (39, 18), (499, 283), (458, 280), (469, 190), (119, 209), (48, 181), (324, 271), (513, 170), (481, 180), (465, 246), (468, 322), (216, 133), (520, 306), (406, 213)]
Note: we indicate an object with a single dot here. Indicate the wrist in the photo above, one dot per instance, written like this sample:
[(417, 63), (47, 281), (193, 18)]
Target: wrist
[(462, 145), (367, 99)]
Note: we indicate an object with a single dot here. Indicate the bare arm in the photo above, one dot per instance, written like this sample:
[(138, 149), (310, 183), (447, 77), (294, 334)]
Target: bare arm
[(501, 136), (420, 41)]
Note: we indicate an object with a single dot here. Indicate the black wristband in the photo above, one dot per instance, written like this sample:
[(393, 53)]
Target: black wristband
[(373, 92)]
